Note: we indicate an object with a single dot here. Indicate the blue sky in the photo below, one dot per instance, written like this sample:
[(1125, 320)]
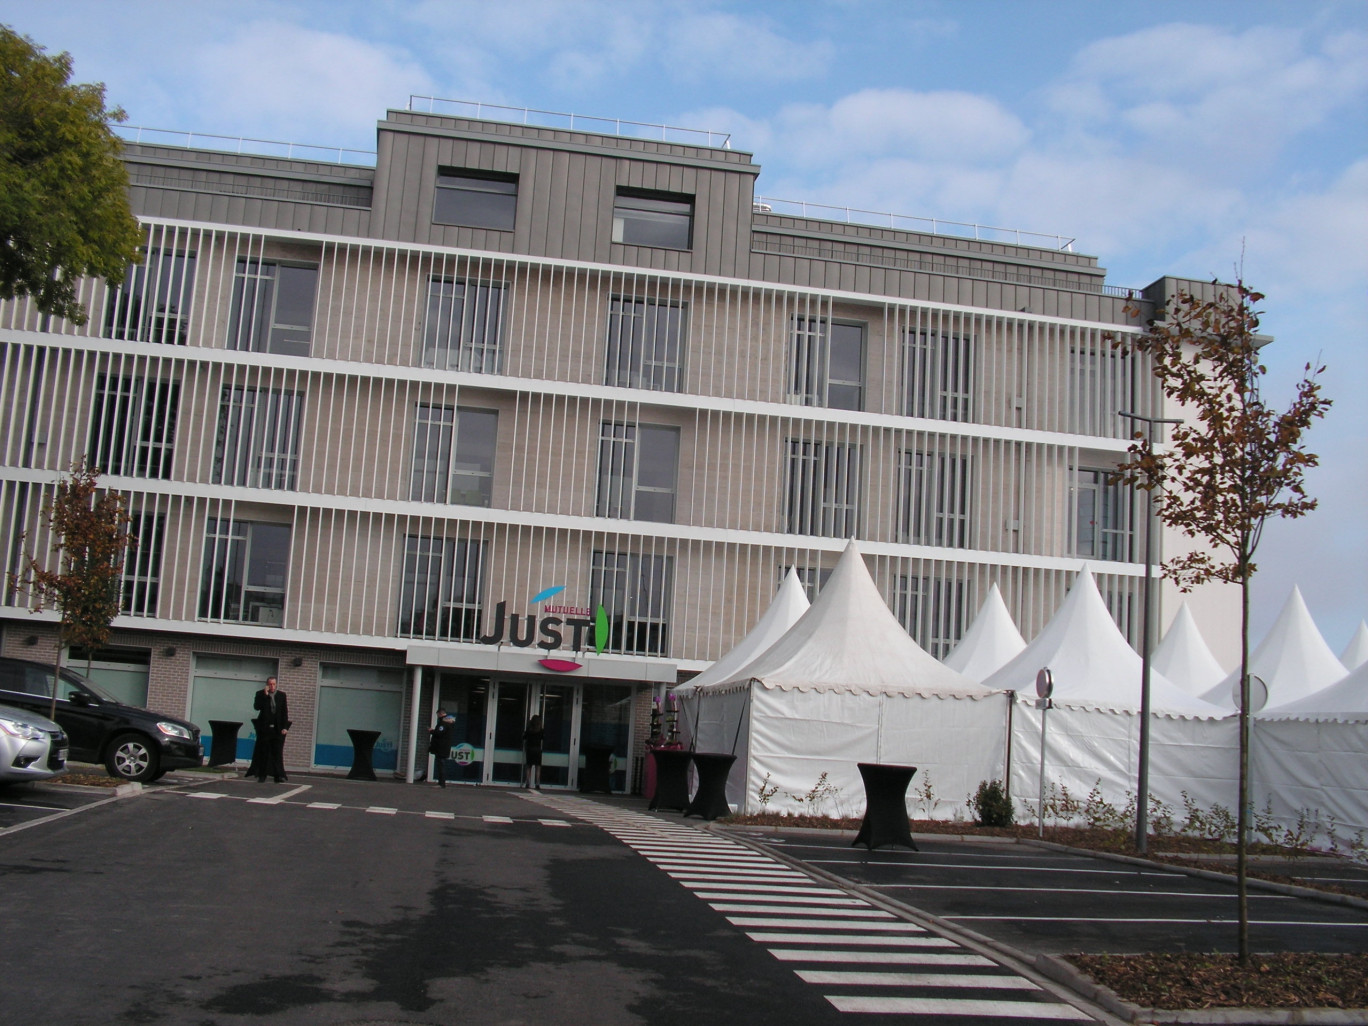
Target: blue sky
[(1167, 138)]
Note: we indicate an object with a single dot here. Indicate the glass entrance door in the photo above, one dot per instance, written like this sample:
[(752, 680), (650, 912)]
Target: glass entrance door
[(559, 718), (510, 720), (467, 699)]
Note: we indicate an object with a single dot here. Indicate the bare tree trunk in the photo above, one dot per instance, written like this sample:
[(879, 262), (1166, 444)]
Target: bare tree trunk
[(1241, 875)]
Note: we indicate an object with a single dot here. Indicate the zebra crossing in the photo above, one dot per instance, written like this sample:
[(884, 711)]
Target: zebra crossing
[(863, 958)]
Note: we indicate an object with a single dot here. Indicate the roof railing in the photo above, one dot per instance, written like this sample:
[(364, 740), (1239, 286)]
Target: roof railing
[(907, 222), (571, 122), (243, 144)]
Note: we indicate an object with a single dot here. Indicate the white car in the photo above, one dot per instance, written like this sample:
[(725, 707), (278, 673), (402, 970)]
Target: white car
[(32, 747)]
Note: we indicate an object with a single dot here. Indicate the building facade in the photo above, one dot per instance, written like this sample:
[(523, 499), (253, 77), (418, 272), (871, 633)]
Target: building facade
[(528, 419)]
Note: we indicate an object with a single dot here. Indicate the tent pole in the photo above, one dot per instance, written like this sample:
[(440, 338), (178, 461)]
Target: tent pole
[(1007, 767)]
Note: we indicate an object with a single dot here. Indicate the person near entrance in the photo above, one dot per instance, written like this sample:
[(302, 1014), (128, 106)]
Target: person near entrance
[(272, 724), (439, 743), (533, 737)]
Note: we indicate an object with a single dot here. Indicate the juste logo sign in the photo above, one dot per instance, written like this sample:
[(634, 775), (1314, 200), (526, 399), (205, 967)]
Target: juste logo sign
[(547, 632)]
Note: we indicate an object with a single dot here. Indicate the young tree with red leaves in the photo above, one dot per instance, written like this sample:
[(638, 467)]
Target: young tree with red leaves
[(89, 532), (1233, 465)]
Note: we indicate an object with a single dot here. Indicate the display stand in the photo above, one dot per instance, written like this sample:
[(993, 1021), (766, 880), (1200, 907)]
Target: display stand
[(885, 818)]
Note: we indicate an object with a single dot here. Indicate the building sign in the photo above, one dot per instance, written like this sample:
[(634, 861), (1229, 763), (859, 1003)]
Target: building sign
[(557, 624)]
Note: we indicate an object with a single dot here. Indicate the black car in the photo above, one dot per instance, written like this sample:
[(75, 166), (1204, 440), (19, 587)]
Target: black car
[(133, 743)]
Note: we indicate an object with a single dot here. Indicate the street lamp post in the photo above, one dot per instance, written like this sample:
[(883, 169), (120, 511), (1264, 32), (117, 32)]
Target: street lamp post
[(1146, 643)]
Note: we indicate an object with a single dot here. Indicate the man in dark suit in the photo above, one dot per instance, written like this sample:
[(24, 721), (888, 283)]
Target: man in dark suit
[(272, 724), (439, 743)]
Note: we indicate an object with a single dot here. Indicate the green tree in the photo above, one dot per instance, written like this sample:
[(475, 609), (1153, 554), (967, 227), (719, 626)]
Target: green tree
[(89, 532), (1233, 465), (63, 189)]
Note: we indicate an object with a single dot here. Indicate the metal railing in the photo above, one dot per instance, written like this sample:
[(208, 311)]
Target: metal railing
[(571, 122), (907, 222), (244, 144)]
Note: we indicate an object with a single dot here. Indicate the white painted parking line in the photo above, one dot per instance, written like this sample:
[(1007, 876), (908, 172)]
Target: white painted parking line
[(431, 814), (553, 822), (894, 926), (854, 940), (323, 805), (1185, 895), (381, 810), (958, 1006), (1013, 869), (809, 900), (854, 978), (780, 910), (929, 958), (1211, 921), (205, 794), (497, 819)]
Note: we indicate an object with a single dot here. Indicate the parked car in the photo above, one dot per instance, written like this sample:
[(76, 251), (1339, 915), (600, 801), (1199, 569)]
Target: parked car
[(32, 747), (133, 743)]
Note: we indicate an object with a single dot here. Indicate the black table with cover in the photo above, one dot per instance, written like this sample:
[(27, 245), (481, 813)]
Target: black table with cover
[(363, 741), (885, 818), (597, 774), (223, 750), (711, 799), (672, 778)]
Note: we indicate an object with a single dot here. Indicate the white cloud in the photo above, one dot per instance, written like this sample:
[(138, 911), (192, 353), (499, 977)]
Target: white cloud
[(1212, 94), (312, 86)]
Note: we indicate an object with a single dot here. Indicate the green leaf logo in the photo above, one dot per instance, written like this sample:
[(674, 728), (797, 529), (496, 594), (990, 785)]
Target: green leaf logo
[(600, 630)]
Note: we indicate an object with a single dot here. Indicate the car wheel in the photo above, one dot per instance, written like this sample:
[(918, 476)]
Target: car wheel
[(132, 757)]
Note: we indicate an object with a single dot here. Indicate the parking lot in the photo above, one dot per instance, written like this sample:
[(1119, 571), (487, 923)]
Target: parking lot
[(1044, 901)]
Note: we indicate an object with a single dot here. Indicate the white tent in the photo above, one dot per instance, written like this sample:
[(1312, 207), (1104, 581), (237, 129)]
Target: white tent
[(790, 603), (1091, 661), (1346, 699), (1184, 658), (991, 641), (846, 684), (1293, 660), (1355, 654)]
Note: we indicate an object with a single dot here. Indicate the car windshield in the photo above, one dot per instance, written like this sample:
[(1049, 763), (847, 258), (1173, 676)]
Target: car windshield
[(72, 681)]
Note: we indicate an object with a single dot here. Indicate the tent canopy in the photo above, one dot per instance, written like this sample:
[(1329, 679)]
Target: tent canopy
[(1346, 699), (790, 603), (1355, 654), (1293, 659), (849, 641), (1184, 658), (991, 641), (1091, 661)]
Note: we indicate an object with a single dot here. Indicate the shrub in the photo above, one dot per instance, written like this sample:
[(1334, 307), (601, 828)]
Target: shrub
[(991, 804)]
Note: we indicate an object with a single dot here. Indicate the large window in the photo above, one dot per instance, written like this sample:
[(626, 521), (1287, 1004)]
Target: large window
[(1103, 521), (133, 426), (646, 344), (258, 437), (475, 199), (826, 363), (934, 498), (439, 596), (635, 591), (938, 376), (246, 565), (273, 307), (140, 588), (638, 466), (934, 610), (645, 218), (823, 488), (463, 326), (1102, 383), (153, 305), (453, 455)]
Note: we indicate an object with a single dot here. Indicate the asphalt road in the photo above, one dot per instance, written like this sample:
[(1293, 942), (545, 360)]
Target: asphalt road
[(325, 901)]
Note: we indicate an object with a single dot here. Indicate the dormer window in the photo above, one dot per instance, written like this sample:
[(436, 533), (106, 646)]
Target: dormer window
[(660, 219), (475, 199)]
